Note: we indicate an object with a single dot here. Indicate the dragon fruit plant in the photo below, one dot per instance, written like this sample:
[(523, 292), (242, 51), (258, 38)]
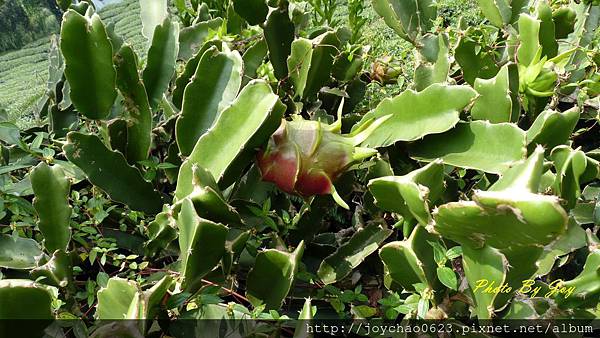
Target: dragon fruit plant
[(305, 157), (483, 172)]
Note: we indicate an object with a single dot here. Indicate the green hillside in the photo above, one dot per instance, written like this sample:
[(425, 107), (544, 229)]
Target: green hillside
[(23, 72)]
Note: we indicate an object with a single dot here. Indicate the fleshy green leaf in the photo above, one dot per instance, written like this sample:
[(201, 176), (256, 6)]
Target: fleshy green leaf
[(234, 245), (547, 36), (346, 67), (82, 7), (570, 166), (253, 11), (571, 240), (497, 11), (161, 62), (110, 172), (305, 316), (64, 4), (483, 267), (58, 271), (475, 60), (310, 63), (585, 287), (529, 30), (410, 261), (433, 71), (201, 245), (189, 70), (152, 13), (494, 102), (208, 199), (19, 253), (279, 34), (161, 232), (521, 266), (409, 18), (235, 23), (124, 299), (213, 87), (253, 58), (348, 256), (385, 9), (52, 188), (59, 120), (56, 68), (477, 145), (272, 276), (552, 128), (118, 300), (523, 175), (117, 135), (413, 192), (521, 309), (139, 118), (152, 298), (89, 68), (242, 127), (501, 219), (414, 115), (564, 19), (192, 38), (9, 133), (22, 299)]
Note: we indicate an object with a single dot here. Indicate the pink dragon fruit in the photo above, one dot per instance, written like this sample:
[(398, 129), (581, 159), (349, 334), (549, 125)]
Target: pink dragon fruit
[(305, 157)]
